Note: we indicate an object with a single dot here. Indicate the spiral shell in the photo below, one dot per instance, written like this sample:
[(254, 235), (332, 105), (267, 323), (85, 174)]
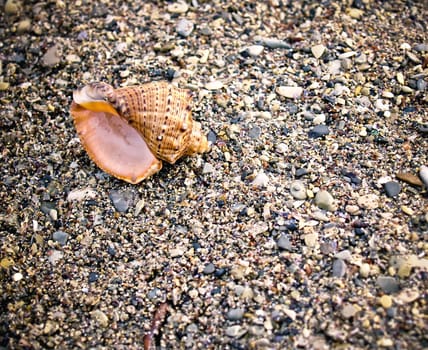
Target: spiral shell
[(129, 131)]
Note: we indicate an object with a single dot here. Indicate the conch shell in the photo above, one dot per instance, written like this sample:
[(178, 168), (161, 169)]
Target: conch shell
[(128, 131)]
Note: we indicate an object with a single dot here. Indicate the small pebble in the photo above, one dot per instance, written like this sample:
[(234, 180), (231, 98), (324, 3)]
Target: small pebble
[(214, 85), (273, 43), (60, 237), (100, 317), (349, 310), (93, 277), (121, 200), (339, 268), (184, 27), (261, 180), (324, 200), (409, 178), (254, 50), (17, 276), (365, 270), (209, 269), (298, 190), (52, 56), (289, 91), (318, 131), (369, 201), (392, 188), (284, 243), (318, 50), (235, 331), (178, 7), (388, 284), (385, 301), (11, 7), (423, 174), (235, 314)]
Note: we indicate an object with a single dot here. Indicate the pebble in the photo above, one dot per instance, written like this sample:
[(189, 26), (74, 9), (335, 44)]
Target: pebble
[(11, 7), (23, 26), (318, 131), (93, 277), (392, 188), (209, 269), (55, 256), (100, 317), (80, 194), (421, 85), (60, 237), (349, 310), (176, 252), (121, 200), (388, 284), (368, 201), (17, 276), (318, 50), (254, 50), (214, 85), (281, 148), (289, 91), (298, 190), (4, 85), (273, 43), (339, 268), (410, 179), (235, 331), (423, 174), (284, 243), (208, 168), (235, 314), (344, 255), (385, 342), (385, 301), (261, 180), (255, 132), (52, 56), (324, 200), (178, 7), (184, 27), (365, 270), (311, 239)]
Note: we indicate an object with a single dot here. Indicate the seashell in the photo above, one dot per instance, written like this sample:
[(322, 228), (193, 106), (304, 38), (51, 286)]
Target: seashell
[(129, 131)]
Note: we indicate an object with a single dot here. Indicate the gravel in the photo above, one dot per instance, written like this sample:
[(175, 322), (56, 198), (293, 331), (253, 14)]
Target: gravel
[(218, 251)]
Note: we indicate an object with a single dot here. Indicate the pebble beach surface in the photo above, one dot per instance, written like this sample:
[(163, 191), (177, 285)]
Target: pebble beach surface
[(306, 224)]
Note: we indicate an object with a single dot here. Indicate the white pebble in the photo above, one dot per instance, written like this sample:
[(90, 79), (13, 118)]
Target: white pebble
[(423, 173), (261, 180), (318, 50), (17, 276), (255, 50), (289, 91), (214, 85)]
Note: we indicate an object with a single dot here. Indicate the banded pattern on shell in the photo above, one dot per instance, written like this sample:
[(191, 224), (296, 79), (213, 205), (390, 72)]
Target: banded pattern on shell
[(128, 131)]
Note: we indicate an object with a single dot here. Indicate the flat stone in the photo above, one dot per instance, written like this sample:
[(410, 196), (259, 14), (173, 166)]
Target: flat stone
[(339, 268), (273, 43), (254, 50), (100, 317), (209, 269), (289, 91), (368, 201), (52, 56), (235, 314), (410, 179), (284, 243), (214, 85), (121, 200), (184, 27), (318, 50), (388, 284), (178, 7), (235, 331), (349, 310), (324, 200), (392, 188), (318, 131), (60, 237)]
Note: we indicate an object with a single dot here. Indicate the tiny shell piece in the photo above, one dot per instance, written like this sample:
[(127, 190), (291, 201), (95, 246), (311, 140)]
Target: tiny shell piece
[(127, 132)]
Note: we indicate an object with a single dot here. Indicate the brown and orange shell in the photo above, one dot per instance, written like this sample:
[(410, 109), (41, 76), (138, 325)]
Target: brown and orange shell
[(129, 131)]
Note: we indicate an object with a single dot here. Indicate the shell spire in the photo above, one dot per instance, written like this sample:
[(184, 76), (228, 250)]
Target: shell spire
[(129, 131)]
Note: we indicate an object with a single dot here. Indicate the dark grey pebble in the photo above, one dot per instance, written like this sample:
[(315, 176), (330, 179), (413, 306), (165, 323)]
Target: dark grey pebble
[(339, 268), (60, 237), (46, 207), (284, 243), (220, 272), (111, 250), (209, 269), (121, 200), (292, 108), (212, 137), (93, 277), (301, 172), (392, 188), (388, 284), (319, 131), (235, 314)]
